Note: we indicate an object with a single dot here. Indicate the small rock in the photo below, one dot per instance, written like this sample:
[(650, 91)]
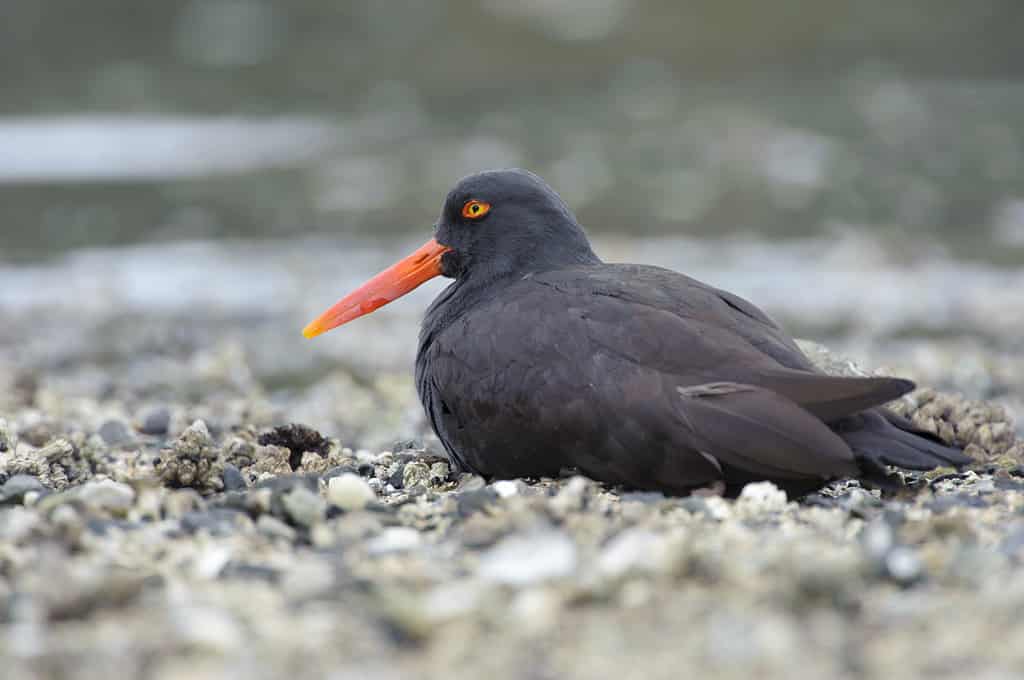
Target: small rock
[(156, 422), (506, 488), (415, 474), (106, 495), (308, 579), (469, 502), (695, 505), (470, 482), (349, 492), (271, 526), (115, 432), (14, 489), (633, 550), (304, 507), (233, 479), (903, 566), (18, 524), (877, 539), (860, 502), (762, 497), (397, 478), (573, 495), (207, 629), (217, 521), (439, 473), (181, 501), (394, 539), (285, 483), (526, 559)]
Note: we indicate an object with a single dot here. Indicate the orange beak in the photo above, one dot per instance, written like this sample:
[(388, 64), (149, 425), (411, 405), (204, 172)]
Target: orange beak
[(391, 284)]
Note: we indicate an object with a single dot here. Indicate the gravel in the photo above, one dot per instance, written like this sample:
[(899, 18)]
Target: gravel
[(184, 524)]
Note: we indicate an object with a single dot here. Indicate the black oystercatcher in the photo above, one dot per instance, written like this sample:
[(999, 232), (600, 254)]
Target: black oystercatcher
[(541, 357)]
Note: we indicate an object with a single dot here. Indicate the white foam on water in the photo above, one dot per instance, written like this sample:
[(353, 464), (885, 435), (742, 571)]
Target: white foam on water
[(111, 148)]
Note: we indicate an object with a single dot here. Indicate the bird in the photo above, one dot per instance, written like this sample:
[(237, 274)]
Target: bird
[(540, 358)]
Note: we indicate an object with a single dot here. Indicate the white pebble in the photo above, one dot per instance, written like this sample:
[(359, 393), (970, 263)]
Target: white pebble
[(349, 492), (505, 488), (394, 539), (762, 497), (633, 549), (526, 559)]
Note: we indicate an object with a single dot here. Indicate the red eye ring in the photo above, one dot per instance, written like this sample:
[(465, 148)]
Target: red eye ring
[(474, 209)]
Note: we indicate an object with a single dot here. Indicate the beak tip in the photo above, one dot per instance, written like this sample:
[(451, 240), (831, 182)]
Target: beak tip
[(310, 331)]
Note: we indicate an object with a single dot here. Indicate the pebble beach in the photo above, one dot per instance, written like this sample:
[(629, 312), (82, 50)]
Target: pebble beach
[(182, 499)]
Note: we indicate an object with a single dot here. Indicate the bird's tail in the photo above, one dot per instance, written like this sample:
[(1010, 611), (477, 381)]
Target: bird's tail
[(880, 438)]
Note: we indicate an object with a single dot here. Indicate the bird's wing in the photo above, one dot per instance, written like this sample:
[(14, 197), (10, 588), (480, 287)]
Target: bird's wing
[(761, 433), (584, 374), (687, 298)]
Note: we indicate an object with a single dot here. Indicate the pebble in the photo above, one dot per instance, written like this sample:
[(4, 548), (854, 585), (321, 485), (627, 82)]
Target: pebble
[(904, 566), (572, 496), (115, 432), (415, 474), (470, 502), (206, 629), (277, 578), (107, 495), (506, 488), (349, 492), (860, 502), (529, 558), (304, 507), (15, 488), (877, 539), (17, 525), (762, 497), (233, 479), (633, 550), (156, 422), (393, 540), (217, 521), (271, 526)]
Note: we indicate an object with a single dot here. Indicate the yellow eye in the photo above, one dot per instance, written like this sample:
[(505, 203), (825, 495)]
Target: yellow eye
[(475, 209)]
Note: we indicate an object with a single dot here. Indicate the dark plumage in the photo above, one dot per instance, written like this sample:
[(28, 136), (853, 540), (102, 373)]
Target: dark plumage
[(540, 357)]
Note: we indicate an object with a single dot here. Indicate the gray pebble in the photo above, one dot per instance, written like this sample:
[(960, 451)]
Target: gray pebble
[(15, 488), (304, 507), (233, 479), (106, 495), (397, 478), (156, 422), (217, 521), (115, 432), (469, 502), (275, 528)]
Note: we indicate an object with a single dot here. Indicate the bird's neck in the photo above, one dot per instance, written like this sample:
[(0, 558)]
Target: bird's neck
[(480, 284)]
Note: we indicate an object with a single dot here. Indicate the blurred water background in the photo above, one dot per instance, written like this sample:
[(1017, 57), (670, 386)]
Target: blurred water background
[(855, 168)]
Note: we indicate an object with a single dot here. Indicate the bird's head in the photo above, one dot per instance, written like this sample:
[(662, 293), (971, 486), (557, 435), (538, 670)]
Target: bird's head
[(493, 224)]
